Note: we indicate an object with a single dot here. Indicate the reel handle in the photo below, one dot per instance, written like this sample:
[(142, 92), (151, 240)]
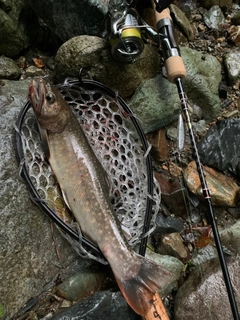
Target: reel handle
[(173, 62)]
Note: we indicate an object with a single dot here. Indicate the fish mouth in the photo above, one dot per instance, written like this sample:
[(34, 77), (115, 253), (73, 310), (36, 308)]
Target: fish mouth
[(36, 93)]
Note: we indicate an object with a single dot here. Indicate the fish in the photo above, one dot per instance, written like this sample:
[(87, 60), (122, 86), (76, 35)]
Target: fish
[(85, 187)]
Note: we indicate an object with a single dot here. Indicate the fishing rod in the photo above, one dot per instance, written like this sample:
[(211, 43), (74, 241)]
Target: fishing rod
[(175, 73)]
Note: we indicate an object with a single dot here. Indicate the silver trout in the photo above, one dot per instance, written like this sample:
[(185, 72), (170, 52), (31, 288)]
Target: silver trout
[(84, 184)]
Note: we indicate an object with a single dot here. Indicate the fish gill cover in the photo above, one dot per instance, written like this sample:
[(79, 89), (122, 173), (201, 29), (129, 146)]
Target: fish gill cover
[(118, 147)]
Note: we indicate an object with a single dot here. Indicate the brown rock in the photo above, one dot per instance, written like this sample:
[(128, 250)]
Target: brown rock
[(172, 245), (223, 190), (159, 145), (173, 193)]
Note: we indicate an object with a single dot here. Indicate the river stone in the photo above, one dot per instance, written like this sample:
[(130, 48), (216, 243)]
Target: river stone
[(214, 17), (156, 101), (9, 69), (220, 147), (182, 22), (224, 4), (101, 306), (231, 65), (223, 190), (19, 26), (28, 259), (67, 19), (94, 54), (203, 295)]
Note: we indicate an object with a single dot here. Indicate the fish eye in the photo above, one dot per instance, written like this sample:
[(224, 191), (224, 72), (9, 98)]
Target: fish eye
[(50, 97)]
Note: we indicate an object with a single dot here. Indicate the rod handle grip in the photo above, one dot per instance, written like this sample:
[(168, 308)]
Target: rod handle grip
[(157, 310)]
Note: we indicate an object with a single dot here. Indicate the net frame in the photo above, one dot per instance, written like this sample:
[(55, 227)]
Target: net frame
[(118, 142)]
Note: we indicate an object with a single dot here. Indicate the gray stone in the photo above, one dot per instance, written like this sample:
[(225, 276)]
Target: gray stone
[(214, 17), (70, 18), (182, 22), (156, 101), (94, 54), (220, 147), (172, 264), (203, 295), (101, 306), (231, 64), (18, 25), (28, 259), (224, 4), (9, 69)]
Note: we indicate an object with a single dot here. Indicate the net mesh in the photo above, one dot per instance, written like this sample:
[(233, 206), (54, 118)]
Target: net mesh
[(116, 144)]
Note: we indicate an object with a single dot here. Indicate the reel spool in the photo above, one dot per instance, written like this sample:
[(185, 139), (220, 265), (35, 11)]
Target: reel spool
[(129, 44)]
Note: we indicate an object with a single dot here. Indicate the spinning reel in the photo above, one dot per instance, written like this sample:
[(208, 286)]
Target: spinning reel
[(123, 28)]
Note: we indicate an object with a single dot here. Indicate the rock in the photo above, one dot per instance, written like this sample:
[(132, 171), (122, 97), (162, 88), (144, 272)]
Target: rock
[(94, 54), (172, 264), (72, 18), (214, 17), (172, 245), (80, 285), (182, 22), (220, 147), (28, 259), (231, 65), (159, 145), (19, 27), (234, 34), (172, 193), (236, 19), (167, 224), (102, 305), (156, 101), (9, 69), (203, 295), (224, 191), (223, 4), (33, 71), (230, 237), (202, 81)]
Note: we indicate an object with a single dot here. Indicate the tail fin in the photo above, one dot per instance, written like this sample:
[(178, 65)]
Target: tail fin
[(141, 288)]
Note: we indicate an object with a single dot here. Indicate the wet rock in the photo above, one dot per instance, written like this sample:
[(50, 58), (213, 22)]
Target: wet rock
[(172, 193), (220, 147), (172, 264), (202, 81), (171, 244), (159, 145), (80, 285), (234, 34), (224, 4), (72, 18), (203, 295), (182, 22), (236, 19), (230, 237), (167, 224), (9, 69), (19, 27), (223, 190), (156, 102), (231, 64), (102, 305), (94, 54), (33, 71), (214, 17), (28, 259)]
